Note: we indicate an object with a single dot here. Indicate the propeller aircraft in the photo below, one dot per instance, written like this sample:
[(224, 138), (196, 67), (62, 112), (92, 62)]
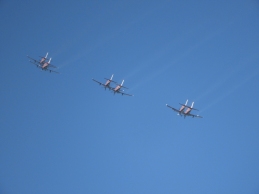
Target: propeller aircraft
[(107, 83), (185, 110), (181, 109), (117, 89), (43, 64), (42, 61)]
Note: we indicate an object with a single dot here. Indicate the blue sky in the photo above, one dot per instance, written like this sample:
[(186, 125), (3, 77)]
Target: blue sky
[(63, 133)]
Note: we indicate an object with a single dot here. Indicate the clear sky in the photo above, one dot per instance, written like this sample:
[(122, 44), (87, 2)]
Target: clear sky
[(63, 133)]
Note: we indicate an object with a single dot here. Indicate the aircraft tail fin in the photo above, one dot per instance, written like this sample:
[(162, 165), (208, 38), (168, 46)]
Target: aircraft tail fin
[(185, 103), (122, 84), (111, 79), (191, 107)]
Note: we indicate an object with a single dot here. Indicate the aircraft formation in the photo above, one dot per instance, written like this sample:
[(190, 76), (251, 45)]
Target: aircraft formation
[(185, 110), (44, 64), (116, 89)]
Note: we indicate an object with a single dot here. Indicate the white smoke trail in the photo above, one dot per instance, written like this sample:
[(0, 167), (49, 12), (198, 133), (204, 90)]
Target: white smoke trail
[(233, 89)]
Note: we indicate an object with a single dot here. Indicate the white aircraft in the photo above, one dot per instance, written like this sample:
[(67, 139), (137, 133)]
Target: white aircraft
[(42, 61), (188, 111), (181, 109), (185, 110), (107, 84), (43, 64), (117, 89)]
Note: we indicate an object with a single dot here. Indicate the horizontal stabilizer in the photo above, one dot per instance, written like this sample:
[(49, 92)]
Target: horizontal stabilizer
[(124, 87), (192, 108)]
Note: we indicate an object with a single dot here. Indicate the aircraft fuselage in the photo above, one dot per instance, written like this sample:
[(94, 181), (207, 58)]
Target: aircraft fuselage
[(182, 108), (117, 88), (45, 66), (42, 61), (107, 84), (188, 111)]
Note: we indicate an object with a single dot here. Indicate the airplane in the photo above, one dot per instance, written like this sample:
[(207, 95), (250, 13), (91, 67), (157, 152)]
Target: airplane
[(107, 83), (43, 64), (117, 89), (186, 112), (181, 109), (42, 61)]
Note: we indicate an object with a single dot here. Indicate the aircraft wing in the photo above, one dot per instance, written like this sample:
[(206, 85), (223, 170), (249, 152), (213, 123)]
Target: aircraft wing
[(52, 66), (176, 110), (124, 87), (122, 93), (36, 63), (100, 83), (126, 94), (52, 71), (191, 115), (33, 60)]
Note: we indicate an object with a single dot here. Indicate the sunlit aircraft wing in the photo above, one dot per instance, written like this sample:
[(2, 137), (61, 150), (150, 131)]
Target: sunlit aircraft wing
[(176, 110)]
